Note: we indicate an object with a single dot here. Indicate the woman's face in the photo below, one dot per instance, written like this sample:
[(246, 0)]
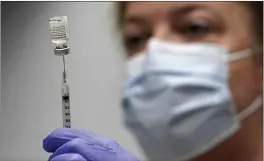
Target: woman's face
[(227, 23)]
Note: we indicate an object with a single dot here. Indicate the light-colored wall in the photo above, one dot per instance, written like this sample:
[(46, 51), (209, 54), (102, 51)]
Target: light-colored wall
[(31, 76), (0, 79)]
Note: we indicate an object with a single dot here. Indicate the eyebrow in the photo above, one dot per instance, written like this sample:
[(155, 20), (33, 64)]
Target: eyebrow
[(174, 12), (190, 8), (137, 20)]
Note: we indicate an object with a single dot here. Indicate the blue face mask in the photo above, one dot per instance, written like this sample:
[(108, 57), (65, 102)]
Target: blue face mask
[(176, 99)]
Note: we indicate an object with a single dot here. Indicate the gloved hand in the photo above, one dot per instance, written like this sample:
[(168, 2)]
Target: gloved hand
[(69, 144)]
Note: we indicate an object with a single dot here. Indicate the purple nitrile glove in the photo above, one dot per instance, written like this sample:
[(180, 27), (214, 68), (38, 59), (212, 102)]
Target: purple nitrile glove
[(69, 144)]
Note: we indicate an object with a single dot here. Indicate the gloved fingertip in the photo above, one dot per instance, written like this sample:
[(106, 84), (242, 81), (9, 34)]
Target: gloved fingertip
[(48, 142), (68, 157), (45, 145)]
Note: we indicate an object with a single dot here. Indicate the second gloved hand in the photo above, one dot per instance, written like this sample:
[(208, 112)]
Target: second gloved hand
[(69, 144)]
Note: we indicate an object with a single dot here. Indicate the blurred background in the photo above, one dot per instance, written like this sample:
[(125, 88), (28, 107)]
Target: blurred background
[(31, 76)]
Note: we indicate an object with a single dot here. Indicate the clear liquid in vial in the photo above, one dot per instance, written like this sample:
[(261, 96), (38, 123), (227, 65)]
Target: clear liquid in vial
[(59, 29)]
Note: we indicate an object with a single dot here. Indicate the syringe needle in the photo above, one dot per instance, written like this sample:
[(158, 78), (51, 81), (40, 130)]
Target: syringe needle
[(63, 63)]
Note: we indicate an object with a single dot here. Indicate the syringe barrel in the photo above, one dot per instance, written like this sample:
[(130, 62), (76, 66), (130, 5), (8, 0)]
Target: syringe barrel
[(66, 111), (65, 91)]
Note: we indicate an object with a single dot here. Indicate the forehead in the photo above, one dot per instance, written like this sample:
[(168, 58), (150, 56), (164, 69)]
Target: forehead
[(162, 9)]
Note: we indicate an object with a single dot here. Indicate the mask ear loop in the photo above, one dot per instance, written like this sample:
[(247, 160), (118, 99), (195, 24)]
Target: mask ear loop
[(253, 107), (240, 55), (244, 54), (256, 104)]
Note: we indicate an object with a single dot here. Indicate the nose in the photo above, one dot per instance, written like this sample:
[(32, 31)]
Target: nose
[(163, 31)]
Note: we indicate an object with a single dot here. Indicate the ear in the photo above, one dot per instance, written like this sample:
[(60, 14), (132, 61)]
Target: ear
[(260, 68), (258, 52), (259, 64), (258, 58), (261, 73)]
